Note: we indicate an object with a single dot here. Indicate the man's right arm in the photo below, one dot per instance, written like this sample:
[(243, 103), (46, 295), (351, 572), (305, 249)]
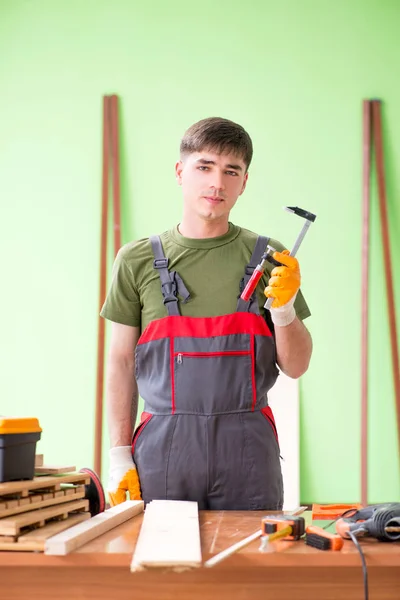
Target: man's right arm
[(122, 397), (121, 387)]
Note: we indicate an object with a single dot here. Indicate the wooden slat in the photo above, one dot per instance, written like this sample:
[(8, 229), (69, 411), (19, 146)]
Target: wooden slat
[(42, 502), (98, 423), (35, 540), (364, 297), (38, 460), (39, 483), (169, 536), (13, 525), (53, 528), (53, 470), (387, 262), (79, 535)]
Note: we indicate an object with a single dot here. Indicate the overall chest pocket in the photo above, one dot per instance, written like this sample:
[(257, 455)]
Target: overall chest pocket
[(213, 381)]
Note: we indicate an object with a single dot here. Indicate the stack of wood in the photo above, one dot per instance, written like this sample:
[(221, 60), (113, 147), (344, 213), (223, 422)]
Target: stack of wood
[(32, 511)]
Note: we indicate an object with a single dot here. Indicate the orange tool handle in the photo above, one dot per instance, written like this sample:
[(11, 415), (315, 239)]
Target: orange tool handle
[(252, 284), (336, 540)]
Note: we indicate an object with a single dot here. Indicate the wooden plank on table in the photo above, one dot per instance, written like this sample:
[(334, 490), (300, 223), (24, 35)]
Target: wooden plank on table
[(169, 536), (43, 501), (35, 540), (41, 483), (38, 460), (53, 470), (13, 525), (82, 533)]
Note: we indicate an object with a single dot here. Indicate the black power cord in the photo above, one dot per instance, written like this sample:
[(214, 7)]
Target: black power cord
[(352, 534), (383, 524)]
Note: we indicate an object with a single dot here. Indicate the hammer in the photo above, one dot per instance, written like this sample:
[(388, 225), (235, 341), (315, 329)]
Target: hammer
[(309, 218)]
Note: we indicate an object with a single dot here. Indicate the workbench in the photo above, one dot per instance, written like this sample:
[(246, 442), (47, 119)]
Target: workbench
[(288, 571)]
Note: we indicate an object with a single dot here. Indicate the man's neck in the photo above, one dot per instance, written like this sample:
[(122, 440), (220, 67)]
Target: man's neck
[(200, 229)]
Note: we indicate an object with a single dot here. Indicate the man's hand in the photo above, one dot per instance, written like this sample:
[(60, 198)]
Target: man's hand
[(123, 476), (283, 286)]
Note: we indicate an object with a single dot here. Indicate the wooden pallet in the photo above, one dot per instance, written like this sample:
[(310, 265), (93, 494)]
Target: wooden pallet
[(35, 500), (35, 540), (13, 526)]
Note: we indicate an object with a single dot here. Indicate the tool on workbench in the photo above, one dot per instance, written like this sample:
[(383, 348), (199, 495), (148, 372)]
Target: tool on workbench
[(94, 492), (331, 512), (18, 438), (281, 527), (267, 256), (321, 539), (381, 521)]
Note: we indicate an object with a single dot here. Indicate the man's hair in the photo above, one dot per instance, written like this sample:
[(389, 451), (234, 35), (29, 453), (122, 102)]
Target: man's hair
[(218, 135)]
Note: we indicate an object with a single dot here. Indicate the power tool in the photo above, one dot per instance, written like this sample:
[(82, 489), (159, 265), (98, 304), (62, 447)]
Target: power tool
[(380, 521)]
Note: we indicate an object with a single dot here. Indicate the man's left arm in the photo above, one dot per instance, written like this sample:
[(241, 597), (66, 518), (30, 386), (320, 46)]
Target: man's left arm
[(293, 348), (292, 338)]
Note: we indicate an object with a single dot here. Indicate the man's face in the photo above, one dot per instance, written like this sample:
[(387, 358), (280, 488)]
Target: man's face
[(211, 183)]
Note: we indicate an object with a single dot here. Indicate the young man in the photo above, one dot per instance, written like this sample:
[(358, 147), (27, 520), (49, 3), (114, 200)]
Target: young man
[(202, 359)]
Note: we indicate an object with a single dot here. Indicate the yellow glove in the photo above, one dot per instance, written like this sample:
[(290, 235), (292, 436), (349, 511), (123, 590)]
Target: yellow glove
[(283, 286), (123, 476)]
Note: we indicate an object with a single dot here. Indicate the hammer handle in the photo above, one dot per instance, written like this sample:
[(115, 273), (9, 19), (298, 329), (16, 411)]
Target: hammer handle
[(293, 252)]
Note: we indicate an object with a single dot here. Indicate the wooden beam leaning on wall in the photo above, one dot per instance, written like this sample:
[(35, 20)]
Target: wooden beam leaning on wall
[(83, 533), (169, 536)]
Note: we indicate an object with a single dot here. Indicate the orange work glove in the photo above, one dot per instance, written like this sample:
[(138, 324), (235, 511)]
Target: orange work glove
[(283, 286), (123, 476)]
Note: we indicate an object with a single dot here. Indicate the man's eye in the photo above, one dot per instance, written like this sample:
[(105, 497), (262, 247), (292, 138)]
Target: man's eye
[(203, 168), (232, 173)]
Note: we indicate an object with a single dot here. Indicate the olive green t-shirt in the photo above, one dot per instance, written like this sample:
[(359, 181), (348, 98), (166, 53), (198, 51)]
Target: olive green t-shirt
[(211, 269)]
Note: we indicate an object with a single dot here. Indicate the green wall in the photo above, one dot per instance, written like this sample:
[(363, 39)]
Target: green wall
[(294, 73)]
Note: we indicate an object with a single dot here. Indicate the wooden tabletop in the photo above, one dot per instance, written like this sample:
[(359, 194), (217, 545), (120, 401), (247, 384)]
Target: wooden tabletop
[(288, 571), (218, 530)]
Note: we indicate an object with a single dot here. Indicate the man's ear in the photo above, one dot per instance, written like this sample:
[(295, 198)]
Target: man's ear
[(244, 183), (178, 172)]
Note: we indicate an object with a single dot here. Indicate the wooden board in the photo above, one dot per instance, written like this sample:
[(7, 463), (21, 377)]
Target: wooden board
[(38, 460), (169, 536), (82, 533), (35, 501), (53, 470), (22, 488), (13, 525), (35, 540), (284, 400)]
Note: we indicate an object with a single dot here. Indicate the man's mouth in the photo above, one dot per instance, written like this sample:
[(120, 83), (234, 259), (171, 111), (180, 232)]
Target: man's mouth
[(214, 199)]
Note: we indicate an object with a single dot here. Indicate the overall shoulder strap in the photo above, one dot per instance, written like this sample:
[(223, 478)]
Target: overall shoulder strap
[(171, 283), (252, 304)]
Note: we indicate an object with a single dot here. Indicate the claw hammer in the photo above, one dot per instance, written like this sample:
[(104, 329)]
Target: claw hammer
[(267, 256), (309, 218)]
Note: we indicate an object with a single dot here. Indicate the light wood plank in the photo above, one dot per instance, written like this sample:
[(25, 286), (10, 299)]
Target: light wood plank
[(38, 460), (13, 525), (53, 470), (82, 533), (169, 536)]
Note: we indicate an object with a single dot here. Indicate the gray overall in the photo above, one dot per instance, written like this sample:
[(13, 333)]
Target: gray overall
[(207, 433)]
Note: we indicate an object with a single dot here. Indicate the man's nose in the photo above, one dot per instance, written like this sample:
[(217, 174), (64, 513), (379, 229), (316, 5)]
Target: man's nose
[(217, 180)]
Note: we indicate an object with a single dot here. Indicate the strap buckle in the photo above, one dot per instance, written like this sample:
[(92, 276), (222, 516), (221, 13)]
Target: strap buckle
[(160, 263), (169, 291)]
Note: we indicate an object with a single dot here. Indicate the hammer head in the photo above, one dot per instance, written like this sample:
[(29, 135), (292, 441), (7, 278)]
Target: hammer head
[(301, 213)]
